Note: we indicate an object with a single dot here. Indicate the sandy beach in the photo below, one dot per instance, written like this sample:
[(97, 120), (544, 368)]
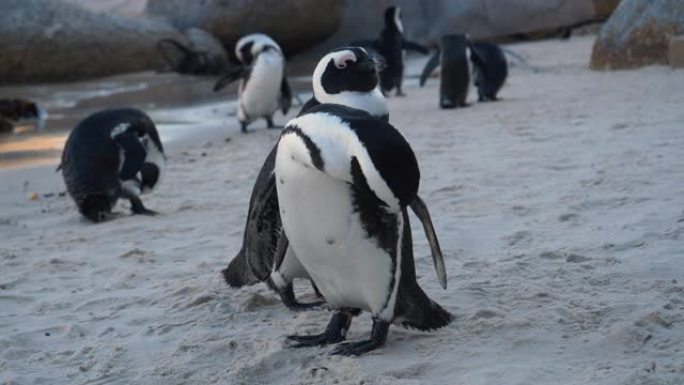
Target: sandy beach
[(560, 211)]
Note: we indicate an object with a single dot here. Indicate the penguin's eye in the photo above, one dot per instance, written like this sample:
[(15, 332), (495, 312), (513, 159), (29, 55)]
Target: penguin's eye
[(341, 65)]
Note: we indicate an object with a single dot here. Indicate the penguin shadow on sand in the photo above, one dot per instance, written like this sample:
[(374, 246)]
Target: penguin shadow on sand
[(460, 60), (391, 44), (263, 87)]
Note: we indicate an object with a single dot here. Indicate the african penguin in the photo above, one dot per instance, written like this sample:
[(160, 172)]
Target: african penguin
[(490, 69), (391, 45), (452, 56), (109, 155), (263, 86), (341, 77), (344, 180)]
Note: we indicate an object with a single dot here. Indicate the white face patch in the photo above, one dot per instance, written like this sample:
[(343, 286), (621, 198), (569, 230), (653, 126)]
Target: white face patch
[(342, 57), (397, 20), (132, 186), (120, 129), (259, 40)]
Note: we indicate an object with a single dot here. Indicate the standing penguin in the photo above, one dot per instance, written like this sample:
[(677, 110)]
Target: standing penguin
[(452, 56), (344, 181), (109, 155), (346, 76), (263, 86), (490, 69), (391, 45)]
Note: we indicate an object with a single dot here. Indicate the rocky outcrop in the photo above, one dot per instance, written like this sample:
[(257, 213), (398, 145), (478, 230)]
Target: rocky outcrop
[(200, 54), (428, 20), (295, 24), (638, 34), (44, 40)]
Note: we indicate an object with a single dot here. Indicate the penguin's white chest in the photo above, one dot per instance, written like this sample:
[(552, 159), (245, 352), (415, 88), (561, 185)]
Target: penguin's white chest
[(349, 268), (259, 95)]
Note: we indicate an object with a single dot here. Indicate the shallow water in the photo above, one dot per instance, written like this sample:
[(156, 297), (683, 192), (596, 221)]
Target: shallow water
[(184, 108)]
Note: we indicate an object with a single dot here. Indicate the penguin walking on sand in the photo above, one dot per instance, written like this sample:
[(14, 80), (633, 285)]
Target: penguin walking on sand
[(344, 180), (452, 57), (391, 45), (109, 155), (459, 58), (346, 76), (263, 85)]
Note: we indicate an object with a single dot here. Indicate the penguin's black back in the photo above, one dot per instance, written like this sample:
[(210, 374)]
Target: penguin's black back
[(91, 158), (492, 66), (455, 74)]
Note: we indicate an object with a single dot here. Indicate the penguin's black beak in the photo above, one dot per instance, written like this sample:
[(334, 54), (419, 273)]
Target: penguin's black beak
[(375, 63)]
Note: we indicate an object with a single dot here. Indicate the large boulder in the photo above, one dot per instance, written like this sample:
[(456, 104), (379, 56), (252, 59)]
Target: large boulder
[(295, 24), (428, 20), (47, 40), (638, 34)]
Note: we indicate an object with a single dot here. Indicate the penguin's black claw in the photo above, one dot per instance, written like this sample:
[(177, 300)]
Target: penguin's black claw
[(296, 341), (298, 306), (378, 338), (144, 211), (356, 348), (335, 332)]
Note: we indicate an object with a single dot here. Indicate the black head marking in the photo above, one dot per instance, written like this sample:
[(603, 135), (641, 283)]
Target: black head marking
[(246, 53), (357, 71)]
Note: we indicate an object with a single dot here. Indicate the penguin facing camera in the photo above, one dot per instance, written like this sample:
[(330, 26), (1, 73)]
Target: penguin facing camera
[(391, 45), (263, 86), (346, 76), (109, 155), (344, 181)]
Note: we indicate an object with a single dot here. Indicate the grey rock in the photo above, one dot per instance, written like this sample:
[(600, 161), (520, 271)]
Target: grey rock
[(637, 34), (295, 24), (45, 40)]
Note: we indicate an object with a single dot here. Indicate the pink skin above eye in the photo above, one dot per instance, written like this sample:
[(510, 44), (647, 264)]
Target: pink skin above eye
[(343, 58)]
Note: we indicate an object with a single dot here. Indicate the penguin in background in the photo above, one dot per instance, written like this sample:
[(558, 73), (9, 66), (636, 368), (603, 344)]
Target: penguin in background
[(344, 182), (459, 58), (110, 155), (346, 76), (490, 69), (391, 45), (452, 57), (13, 111), (263, 85)]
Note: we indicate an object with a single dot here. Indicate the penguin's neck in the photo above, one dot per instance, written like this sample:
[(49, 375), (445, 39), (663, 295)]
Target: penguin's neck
[(372, 102)]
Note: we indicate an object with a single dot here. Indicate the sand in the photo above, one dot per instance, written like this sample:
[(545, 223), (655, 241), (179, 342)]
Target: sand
[(559, 210)]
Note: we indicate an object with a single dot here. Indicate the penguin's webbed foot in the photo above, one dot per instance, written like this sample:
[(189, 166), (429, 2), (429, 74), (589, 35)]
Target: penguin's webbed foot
[(144, 211), (287, 296), (271, 125), (335, 332), (378, 338), (299, 306)]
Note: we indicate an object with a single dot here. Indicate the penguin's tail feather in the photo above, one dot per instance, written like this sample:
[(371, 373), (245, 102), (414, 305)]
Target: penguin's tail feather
[(238, 272), (422, 313)]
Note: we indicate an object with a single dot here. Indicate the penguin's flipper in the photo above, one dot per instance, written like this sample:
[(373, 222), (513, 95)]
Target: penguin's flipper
[(281, 249), (413, 46), (311, 103), (430, 66), (420, 209), (285, 96), (134, 154), (374, 44), (237, 73)]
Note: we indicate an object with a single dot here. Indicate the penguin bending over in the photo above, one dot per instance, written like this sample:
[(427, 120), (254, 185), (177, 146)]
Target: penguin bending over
[(263, 86), (490, 69), (452, 56), (109, 155), (346, 76), (391, 45), (344, 182)]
